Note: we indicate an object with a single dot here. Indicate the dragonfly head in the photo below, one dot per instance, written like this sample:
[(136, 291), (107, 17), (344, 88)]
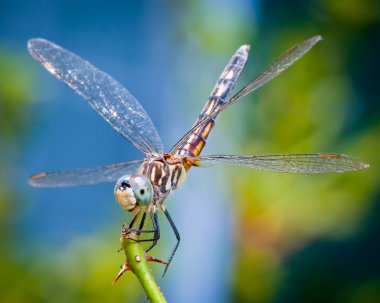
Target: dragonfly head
[(132, 191)]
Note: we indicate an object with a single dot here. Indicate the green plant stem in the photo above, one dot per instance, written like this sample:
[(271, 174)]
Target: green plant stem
[(138, 263)]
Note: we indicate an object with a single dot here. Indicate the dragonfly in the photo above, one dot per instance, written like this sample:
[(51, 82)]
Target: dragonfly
[(141, 186)]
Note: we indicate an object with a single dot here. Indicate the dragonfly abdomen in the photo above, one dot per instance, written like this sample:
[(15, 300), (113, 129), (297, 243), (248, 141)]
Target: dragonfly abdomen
[(196, 141), (164, 176)]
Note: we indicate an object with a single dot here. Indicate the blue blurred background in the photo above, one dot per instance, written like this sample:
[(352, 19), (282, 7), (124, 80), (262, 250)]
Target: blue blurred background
[(247, 236)]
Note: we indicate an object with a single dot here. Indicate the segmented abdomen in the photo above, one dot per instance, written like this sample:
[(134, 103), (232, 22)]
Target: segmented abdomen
[(197, 139)]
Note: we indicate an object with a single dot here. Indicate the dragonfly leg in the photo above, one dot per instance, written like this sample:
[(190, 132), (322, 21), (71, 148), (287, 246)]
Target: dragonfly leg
[(175, 230), (141, 223), (156, 226), (134, 219), (140, 229), (155, 229)]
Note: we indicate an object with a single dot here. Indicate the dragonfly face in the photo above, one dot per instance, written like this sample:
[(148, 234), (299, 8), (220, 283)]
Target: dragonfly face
[(145, 184), (133, 192)]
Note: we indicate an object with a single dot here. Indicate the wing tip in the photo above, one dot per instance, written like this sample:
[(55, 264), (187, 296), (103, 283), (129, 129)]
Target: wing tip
[(34, 41), (317, 38), (37, 46), (312, 41), (244, 49), (32, 46), (359, 165), (33, 180)]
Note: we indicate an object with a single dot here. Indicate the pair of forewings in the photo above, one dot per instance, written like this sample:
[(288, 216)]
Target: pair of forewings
[(126, 115)]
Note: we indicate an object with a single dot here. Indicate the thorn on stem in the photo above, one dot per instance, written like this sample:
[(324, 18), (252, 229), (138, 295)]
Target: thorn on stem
[(153, 259), (126, 266)]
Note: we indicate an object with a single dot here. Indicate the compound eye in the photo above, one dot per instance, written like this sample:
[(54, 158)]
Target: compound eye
[(124, 185), (142, 189)]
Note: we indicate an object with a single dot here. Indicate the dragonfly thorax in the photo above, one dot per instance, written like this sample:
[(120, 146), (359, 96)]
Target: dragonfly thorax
[(166, 174)]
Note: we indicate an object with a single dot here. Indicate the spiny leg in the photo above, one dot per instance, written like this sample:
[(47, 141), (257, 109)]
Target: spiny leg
[(156, 226), (141, 223), (140, 229), (155, 229), (134, 219), (174, 228)]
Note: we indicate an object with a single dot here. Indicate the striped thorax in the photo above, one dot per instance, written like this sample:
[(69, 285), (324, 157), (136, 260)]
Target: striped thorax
[(165, 173)]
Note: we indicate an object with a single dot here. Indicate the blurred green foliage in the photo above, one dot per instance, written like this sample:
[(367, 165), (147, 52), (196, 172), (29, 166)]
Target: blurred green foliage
[(16, 87), (316, 106)]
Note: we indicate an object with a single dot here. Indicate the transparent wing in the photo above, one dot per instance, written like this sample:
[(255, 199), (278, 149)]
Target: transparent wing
[(276, 68), (85, 176), (290, 163), (109, 98)]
